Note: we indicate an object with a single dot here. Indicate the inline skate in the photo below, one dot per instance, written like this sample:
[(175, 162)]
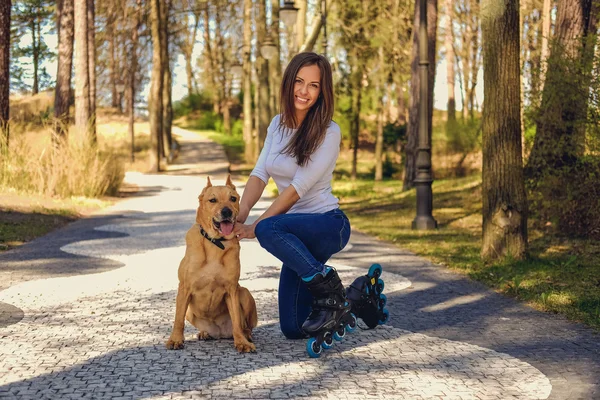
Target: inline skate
[(331, 315), (366, 297)]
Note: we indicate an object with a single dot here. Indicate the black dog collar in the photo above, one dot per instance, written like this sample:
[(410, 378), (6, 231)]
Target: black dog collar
[(216, 242)]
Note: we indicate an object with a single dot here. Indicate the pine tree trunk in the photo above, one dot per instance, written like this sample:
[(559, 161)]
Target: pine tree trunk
[(112, 62), (82, 73), (546, 24), (262, 106), (356, 95), (35, 46), (210, 59), (5, 8), (380, 118), (504, 200), (156, 86), (247, 83), (449, 45), (413, 120), (560, 137), (62, 92), (275, 63), (91, 16), (167, 81)]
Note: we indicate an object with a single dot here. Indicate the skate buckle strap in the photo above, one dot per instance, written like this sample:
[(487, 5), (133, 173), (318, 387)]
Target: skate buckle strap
[(373, 281), (216, 242), (326, 303)]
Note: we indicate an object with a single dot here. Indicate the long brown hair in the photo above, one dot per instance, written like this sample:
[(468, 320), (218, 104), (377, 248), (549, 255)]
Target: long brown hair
[(312, 130)]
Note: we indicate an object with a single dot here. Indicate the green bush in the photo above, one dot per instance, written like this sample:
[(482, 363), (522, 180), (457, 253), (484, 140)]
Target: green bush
[(208, 120), (237, 129), (196, 102), (569, 198)]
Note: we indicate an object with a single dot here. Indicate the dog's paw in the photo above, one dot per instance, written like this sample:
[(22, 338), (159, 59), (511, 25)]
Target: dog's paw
[(248, 334), (245, 347), (204, 336), (174, 344)]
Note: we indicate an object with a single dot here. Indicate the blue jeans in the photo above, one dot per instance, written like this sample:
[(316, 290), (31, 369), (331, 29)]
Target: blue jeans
[(303, 243)]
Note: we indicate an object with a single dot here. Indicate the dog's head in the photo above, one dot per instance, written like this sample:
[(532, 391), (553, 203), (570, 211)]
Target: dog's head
[(218, 209)]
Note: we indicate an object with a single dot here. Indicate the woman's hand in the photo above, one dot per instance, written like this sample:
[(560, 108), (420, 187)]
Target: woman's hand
[(244, 231), (243, 214)]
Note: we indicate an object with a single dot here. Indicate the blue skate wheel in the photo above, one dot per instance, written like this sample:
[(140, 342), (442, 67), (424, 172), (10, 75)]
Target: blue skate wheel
[(375, 271), (351, 327), (386, 317), (327, 340), (380, 286), (313, 348), (339, 333), (382, 300)]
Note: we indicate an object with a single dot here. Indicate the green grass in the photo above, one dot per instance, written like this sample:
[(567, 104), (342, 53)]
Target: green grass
[(562, 275)]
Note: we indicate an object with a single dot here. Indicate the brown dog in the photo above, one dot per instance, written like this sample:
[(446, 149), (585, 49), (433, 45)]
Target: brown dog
[(209, 295)]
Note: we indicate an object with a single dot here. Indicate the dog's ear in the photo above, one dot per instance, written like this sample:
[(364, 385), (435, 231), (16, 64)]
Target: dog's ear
[(229, 183), (208, 184)]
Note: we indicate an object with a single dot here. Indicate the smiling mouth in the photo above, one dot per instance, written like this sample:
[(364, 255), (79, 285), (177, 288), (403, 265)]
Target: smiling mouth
[(225, 227), (301, 100)]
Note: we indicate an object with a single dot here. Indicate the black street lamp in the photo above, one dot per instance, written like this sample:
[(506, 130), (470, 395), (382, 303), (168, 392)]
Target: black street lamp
[(423, 179)]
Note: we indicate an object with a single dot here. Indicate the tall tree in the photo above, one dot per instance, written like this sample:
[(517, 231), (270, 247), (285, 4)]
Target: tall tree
[(167, 80), (415, 96), (31, 18), (504, 200), (450, 57), (210, 59), (247, 82), (62, 92), (300, 23), (546, 24), (560, 136), (263, 109), (82, 77), (91, 38), (156, 85), (5, 6), (275, 62)]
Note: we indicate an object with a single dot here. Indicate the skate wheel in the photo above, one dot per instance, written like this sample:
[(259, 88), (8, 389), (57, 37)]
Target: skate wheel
[(313, 348), (351, 326), (339, 333), (382, 301), (385, 318), (375, 271), (327, 340), (380, 286)]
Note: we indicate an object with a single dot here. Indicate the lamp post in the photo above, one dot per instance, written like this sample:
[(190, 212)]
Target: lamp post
[(289, 13), (268, 49), (423, 179)]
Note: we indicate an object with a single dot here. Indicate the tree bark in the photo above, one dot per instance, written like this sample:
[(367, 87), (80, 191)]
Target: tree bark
[(262, 67), (301, 23), (91, 34), (413, 120), (62, 92), (132, 75), (380, 117), (560, 137), (247, 83), (210, 58), (167, 81), (156, 85), (82, 73), (35, 46), (546, 23), (449, 45), (504, 200), (5, 8), (356, 96), (275, 63)]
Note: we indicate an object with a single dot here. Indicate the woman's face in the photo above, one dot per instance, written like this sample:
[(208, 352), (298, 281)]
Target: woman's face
[(307, 88)]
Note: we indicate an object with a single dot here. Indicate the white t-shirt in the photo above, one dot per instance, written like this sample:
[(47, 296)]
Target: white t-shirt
[(312, 181)]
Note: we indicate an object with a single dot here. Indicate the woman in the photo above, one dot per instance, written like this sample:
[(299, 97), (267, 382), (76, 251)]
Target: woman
[(304, 226)]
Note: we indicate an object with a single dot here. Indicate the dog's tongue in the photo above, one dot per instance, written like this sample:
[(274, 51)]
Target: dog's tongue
[(226, 228)]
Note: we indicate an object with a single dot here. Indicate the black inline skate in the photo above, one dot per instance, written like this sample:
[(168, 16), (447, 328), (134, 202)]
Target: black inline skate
[(367, 298), (331, 315)]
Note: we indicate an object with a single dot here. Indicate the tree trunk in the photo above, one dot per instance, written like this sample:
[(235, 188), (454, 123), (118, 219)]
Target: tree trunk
[(167, 81), (247, 82), (132, 75), (311, 39), (35, 46), (380, 117), (560, 137), (262, 67), (275, 63), (156, 85), (91, 34), (112, 63), (504, 200), (5, 8), (546, 23), (356, 95), (301, 23), (413, 118), (449, 44), (82, 73), (62, 92), (210, 59)]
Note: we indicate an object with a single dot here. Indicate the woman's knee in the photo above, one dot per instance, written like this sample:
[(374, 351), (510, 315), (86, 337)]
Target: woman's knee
[(264, 231)]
